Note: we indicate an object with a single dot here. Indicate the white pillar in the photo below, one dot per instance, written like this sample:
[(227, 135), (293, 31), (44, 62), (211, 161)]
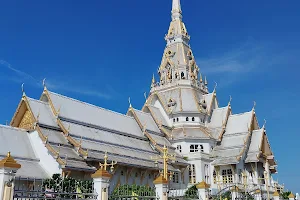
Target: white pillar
[(276, 195), (161, 187), (203, 190), (8, 169), (101, 180), (291, 197), (234, 192)]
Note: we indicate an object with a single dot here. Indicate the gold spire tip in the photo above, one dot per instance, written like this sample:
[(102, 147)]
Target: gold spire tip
[(8, 154)]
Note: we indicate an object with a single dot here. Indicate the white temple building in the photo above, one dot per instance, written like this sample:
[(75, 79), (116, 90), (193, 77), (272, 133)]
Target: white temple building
[(58, 134)]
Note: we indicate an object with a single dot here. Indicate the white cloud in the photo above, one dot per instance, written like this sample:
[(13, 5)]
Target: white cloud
[(243, 59), (23, 77)]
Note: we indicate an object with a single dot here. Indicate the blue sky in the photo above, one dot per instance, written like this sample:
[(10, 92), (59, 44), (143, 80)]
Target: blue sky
[(103, 52)]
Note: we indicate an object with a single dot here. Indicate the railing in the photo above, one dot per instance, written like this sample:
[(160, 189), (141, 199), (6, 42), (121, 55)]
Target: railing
[(133, 192), (62, 189), (191, 193)]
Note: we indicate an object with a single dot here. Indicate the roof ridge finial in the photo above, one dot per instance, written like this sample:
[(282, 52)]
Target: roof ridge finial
[(44, 83), (176, 10), (254, 105), (201, 79), (230, 99), (153, 79), (130, 106), (23, 91), (145, 95), (216, 85), (205, 81), (265, 122)]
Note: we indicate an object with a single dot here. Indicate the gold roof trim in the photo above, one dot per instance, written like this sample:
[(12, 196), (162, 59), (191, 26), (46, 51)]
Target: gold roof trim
[(9, 162), (159, 124), (225, 122), (72, 140), (160, 180), (202, 185), (144, 131), (45, 92), (25, 101)]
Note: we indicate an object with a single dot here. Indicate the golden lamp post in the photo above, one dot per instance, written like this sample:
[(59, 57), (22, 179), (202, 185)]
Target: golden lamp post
[(165, 158), (106, 164)]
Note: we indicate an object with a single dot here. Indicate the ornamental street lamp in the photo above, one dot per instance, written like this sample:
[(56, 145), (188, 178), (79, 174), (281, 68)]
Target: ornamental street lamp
[(165, 158), (106, 164)]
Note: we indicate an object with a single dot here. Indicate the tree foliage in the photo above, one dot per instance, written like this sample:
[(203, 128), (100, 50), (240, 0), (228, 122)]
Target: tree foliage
[(67, 187), (191, 192), (285, 195), (133, 190)]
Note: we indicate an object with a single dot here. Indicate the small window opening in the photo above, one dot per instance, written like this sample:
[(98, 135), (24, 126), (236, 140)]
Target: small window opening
[(187, 119), (193, 119)]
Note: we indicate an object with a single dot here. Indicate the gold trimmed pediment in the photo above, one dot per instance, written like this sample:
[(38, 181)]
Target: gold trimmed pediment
[(27, 121), (23, 117)]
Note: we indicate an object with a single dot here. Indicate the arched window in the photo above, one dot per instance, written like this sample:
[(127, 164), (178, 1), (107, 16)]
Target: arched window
[(187, 119), (177, 119), (193, 119), (174, 120)]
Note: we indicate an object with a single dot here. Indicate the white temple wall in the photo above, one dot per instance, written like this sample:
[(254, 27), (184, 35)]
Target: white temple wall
[(47, 161)]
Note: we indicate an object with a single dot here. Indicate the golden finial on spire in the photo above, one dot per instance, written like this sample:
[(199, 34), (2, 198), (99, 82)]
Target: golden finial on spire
[(201, 79), (145, 95), (8, 154), (205, 81)]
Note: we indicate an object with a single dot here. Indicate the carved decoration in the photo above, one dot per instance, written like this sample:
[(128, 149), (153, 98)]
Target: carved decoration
[(27, 121)]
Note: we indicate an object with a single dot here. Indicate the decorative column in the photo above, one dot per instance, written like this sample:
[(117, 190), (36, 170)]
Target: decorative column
[(203, 190), (234, 192), (161, 187), (8, 170), (101, 180), (291, 197), (276, 195), (258, 194)]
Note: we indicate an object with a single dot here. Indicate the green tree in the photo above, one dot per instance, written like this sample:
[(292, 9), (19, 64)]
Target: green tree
[(285, 195)]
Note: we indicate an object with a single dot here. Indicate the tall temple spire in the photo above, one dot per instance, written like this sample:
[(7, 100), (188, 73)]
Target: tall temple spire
[(176, 10), (178, 66)]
